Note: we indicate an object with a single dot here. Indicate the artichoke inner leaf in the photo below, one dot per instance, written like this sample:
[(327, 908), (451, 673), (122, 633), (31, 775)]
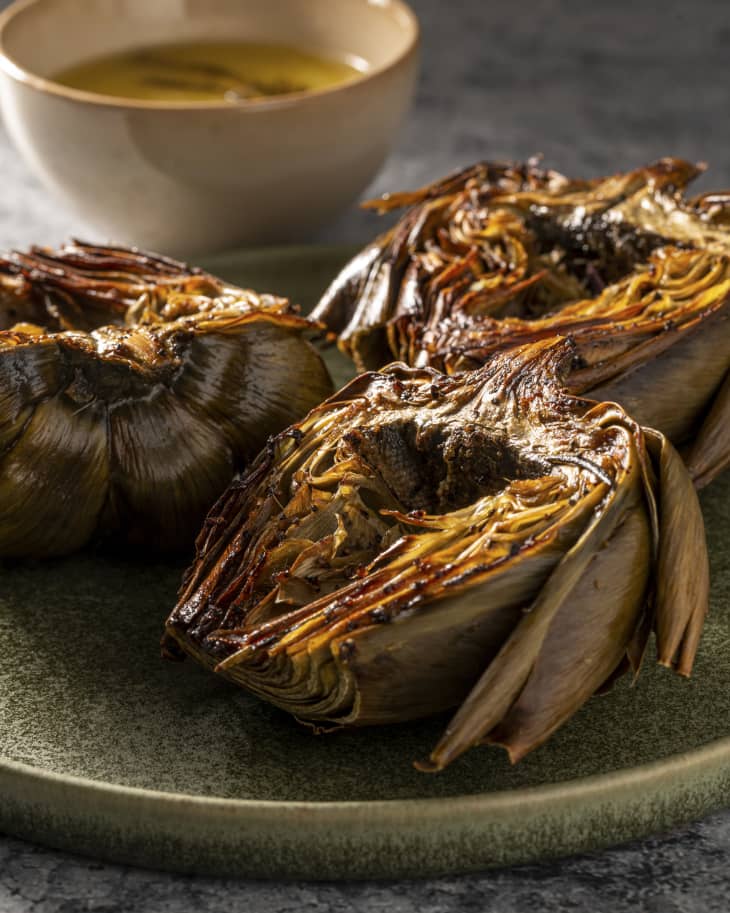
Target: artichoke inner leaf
[(441, 496)]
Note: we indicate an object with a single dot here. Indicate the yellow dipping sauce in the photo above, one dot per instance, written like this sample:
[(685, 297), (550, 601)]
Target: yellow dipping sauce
[(206, 71)]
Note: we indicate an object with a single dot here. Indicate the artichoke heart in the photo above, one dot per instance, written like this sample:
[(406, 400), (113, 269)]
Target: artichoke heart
[(423, 541), (501, 255), (132, 389)]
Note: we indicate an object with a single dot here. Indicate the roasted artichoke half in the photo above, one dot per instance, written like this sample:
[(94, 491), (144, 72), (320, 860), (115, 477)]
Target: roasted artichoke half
[(132, 388), (502, 255), (421, 541)]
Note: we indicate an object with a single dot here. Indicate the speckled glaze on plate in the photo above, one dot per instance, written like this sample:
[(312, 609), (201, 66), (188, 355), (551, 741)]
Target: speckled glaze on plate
[(108, 751)]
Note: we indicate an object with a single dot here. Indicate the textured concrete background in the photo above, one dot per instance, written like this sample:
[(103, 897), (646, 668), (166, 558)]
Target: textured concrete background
[(596, 88)]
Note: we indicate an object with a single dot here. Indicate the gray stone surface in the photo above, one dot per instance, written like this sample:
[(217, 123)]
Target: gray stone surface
[(595, 87), (682, 873)]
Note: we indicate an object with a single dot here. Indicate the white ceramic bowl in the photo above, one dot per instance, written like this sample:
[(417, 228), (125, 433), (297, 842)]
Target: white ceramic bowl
[(194, 177)]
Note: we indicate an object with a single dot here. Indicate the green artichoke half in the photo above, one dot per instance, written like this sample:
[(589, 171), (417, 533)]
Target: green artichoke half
[(420, 542), (501, 255), (132, 388)]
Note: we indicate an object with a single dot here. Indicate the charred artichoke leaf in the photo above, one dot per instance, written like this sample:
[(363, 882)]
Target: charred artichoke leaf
[(421, 541), (361, 302), (636, 274), (132, 427), (683, 568), (708, 452), (657, 342)]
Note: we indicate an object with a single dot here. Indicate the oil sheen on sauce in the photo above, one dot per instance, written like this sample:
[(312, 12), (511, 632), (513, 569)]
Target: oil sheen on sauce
[(207, 71)]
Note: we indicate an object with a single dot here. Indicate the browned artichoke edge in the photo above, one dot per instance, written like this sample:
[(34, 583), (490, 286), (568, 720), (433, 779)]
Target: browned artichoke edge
[(504, 254), (421, 542)]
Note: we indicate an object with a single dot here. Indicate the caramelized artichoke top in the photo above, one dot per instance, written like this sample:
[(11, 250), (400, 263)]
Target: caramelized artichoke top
[(132, 388), (501, 255), (420, 540)]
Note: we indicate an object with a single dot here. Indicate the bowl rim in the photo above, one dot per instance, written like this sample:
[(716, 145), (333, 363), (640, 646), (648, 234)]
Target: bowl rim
[(11, 68)]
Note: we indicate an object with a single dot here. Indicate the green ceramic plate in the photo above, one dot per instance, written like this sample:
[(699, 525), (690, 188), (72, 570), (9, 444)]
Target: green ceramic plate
[(106, 750)]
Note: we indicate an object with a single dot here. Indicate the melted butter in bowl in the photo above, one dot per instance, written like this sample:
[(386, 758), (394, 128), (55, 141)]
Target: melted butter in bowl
[(208, 71), (165, 130)]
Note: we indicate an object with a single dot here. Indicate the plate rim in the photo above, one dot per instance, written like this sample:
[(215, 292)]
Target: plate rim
[(711, 755), (358, 840), (271, 252)]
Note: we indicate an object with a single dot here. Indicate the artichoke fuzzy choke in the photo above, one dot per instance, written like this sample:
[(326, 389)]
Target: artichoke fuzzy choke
[(132, 388), (420, 542), (501, 255)]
